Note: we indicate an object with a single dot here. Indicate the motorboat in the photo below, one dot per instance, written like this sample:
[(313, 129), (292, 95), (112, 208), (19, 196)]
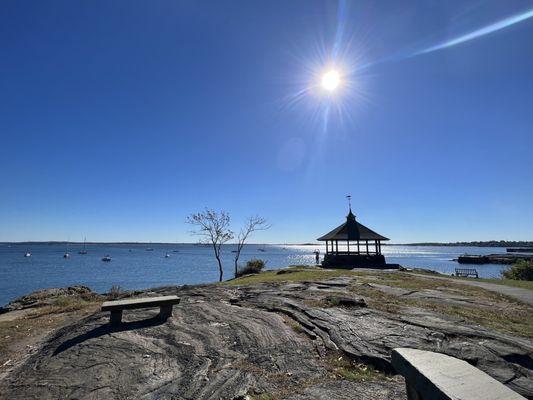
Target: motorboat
[(28, 254), (106, 258)]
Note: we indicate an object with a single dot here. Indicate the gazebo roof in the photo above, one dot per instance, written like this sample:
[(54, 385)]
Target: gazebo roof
[(352, 230)]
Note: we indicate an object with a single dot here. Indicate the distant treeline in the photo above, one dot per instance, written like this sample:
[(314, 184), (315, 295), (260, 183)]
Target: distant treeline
[(488, 243)]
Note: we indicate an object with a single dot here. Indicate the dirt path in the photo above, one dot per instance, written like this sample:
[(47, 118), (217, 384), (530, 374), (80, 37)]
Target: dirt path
[(523, 295)]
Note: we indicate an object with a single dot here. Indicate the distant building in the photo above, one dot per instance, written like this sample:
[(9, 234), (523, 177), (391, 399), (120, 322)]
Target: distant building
[(353, 245)]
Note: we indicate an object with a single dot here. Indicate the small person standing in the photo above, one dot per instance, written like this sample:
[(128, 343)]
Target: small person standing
[(317, 256)]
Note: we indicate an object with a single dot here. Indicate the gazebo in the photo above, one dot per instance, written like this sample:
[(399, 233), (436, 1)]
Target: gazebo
[(359, 246)]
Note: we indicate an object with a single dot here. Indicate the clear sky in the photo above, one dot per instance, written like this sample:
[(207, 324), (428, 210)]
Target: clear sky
[(120, 118)]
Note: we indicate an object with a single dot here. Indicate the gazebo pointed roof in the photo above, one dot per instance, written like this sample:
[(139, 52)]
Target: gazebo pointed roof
[(352, 230)]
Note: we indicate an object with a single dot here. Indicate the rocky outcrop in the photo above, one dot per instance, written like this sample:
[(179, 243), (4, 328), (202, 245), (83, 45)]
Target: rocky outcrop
[(48, 297), (273, 339)]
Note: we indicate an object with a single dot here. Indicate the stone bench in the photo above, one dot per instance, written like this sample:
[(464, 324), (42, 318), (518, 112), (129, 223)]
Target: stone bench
[(164, 303), (435, 376), (466, 272)]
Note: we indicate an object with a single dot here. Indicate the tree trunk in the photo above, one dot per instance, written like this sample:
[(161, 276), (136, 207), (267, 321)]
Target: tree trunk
[(237, 256), (217, 256), (220, 269)]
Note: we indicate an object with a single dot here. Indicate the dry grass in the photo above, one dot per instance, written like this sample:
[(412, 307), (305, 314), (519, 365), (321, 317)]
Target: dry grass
[(345, 368), (504, 282), (297, 274), (487, 308), (504, 315), (40, 321)]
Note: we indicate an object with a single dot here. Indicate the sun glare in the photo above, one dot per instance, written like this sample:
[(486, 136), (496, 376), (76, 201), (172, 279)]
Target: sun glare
[(331, 80)]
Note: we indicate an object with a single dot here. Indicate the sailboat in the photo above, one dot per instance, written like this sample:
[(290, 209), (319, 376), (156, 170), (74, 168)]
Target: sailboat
[(84, 250), (66, 255)]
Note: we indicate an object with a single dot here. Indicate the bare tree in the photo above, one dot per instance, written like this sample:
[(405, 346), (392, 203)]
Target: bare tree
[(213, 227), (252, 224)]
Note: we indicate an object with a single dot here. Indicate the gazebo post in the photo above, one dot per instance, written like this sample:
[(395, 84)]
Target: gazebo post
[(337, 246), (348, 243), (358, 251), (366, 247)]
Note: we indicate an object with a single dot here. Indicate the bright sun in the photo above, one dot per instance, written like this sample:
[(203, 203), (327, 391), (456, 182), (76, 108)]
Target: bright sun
[(331, 80)]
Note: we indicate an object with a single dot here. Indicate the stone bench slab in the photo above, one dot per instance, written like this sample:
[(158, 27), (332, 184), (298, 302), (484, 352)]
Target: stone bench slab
[(147, 302), (164, 303), (437, 376)]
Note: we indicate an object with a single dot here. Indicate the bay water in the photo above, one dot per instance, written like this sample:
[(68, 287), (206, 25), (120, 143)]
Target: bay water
[(135, 266)]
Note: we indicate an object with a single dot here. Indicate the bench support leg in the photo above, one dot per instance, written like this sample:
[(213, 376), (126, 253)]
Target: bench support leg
[(165, 312), (412, 394), (116, 317)]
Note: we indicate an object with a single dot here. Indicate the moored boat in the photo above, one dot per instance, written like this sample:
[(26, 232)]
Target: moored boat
[(28, 254), (520, 250), (84, 250), (106, 258)]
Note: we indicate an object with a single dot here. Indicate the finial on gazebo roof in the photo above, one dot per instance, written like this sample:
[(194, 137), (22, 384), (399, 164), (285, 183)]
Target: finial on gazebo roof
[(350, 214)]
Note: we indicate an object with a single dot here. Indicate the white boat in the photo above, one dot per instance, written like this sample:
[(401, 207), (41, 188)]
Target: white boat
[(106, 258), (28, 254), (66, 255), (167, 255)]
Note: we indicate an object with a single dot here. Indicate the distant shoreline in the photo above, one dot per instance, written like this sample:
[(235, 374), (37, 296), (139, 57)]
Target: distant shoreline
[(489, 243)]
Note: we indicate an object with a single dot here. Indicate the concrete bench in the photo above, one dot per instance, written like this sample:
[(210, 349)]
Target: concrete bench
[(466, 272), (164, 303), (437, 376)]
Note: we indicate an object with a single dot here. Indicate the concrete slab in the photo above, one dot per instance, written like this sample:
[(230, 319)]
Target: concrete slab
[(436, 376)]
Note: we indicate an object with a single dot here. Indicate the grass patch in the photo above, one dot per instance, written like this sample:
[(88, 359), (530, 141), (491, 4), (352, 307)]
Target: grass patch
[(497, 281), (69, 303), (505, 316), (504, 282), (350, 370), (409, 282), (296, 274)]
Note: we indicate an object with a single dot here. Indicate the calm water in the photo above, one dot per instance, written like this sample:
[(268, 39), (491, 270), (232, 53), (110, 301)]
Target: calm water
[(132, 267)]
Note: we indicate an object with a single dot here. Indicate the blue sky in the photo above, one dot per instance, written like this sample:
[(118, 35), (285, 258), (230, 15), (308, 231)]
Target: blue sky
[(120, 118)]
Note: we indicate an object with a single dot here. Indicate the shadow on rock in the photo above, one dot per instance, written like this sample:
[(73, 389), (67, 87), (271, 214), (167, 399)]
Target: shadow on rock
[(107, 329)]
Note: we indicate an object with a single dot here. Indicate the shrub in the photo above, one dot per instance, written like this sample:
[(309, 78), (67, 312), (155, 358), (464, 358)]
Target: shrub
[(521, 271), (254, 266), (114, 292)]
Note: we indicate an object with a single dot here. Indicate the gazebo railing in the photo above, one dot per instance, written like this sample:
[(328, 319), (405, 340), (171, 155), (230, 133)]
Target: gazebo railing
[(352, 253), (353, 247)]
